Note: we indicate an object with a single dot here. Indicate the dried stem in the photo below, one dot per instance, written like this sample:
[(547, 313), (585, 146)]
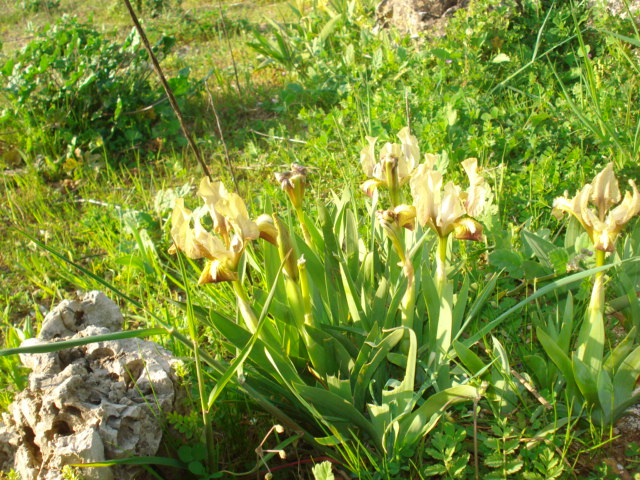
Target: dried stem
[(224, 144), (167, 89)]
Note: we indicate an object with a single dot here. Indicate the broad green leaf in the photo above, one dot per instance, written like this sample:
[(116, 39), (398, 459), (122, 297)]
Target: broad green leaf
[(624, 380), (628, 287), (562, 282), (369, 359), (478, 303), (322, 471), (502, 355), (392, 311), (538, 366), (341, 387), (566, 329), (559, 258), (541, 247), (469, 359), (350, 242), (586, 378), (237, 362), (327, 356), (590, 342), (620, 352), (460, 305), (606, 395), (417, 424), (507, 260), (329, 441), (559, 358), (337, 408), (380, 302), (432, 301), (350, 294)]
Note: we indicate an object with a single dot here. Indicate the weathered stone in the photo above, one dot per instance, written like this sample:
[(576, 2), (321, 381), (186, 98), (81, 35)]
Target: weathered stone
[(430, 17), (415, 16), (91, 403), (618, 7)]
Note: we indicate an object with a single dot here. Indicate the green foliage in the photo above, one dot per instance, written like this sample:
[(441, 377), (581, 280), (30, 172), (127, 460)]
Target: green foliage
[(322, 471), (504, 459), (71, 91), (40, 5), (156, 7), (448, 451), (540, 96)]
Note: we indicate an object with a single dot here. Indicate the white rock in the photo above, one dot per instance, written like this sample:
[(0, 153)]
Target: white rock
[(90, 403)]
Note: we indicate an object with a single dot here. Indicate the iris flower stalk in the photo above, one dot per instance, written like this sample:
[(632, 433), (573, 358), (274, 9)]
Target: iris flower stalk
[(603, 225), (448, 209), (223, 251), (394, 221)]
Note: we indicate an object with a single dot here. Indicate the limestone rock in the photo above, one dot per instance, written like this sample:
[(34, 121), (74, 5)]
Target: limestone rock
[(415, 16), (618, 7), (430, 17), (90, 403)]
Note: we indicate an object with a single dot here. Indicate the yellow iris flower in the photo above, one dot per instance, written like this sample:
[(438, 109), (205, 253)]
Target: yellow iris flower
[(605, 223), (446, 209), (230, 220), (396, 163)]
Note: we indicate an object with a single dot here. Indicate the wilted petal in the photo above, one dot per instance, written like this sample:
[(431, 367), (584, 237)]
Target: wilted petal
[(390, 152), (607, 231), (578, 206), (370, 186), (195, 242), (605, 191), (180, 227), (629, 208), (468, 229), (605, 240), (430, 160), (293, 183), (217, 271), (267, 228), (602, 228), (405, 216)]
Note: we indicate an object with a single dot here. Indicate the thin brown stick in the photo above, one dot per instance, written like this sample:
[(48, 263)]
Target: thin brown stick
[(224, 144), (167, 89), (532, 390)]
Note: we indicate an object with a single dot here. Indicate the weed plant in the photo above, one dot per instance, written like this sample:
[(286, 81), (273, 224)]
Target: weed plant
[(71, 93), (544, 97)]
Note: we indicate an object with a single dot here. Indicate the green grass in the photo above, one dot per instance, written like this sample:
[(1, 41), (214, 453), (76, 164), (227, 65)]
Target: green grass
[(544, 98)]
